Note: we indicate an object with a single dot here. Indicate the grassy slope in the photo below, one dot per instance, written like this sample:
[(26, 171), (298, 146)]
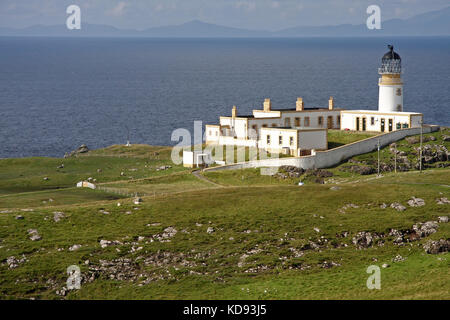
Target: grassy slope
[(280, 216)]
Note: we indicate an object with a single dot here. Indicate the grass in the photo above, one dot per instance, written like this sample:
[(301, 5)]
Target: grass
[(337, 138), (258, 249)]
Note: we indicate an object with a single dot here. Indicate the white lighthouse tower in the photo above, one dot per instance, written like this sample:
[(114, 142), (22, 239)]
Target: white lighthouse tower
[(390, 84)]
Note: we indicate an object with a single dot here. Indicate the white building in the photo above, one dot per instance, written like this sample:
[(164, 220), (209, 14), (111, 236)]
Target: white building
[(300, 130), (293, 131), (390, 115)]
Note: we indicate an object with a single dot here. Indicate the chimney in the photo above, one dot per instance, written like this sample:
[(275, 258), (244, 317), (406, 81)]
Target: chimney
[(267, 104), (330, 103), (234, 112), (299, 104)]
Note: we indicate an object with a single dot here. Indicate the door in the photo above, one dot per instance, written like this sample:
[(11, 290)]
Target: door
[(382, 121), (390, 125), (330, 122), (357, 123), (364, 124)]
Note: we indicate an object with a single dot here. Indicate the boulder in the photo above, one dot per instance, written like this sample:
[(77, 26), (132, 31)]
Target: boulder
[(435, 247), (397, 206), (34, 235), (416, 202), (425, 229)]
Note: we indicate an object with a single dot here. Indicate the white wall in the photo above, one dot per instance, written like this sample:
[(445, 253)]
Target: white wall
[(388, 100), (329, 158)]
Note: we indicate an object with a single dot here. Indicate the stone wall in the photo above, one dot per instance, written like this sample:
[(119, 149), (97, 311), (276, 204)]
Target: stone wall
[(332, 157)]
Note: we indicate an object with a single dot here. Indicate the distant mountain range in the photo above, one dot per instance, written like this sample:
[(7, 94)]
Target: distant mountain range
[(435, 23)]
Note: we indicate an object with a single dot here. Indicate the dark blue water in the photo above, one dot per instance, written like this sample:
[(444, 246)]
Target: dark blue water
[(56, 94)]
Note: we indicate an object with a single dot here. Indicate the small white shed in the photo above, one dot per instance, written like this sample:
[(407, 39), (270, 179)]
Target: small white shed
[(193, 159)]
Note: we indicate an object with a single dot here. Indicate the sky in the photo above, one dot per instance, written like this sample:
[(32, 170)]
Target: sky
[(248, 14)]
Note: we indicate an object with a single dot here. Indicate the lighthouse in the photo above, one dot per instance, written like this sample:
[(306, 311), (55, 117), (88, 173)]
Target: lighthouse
[(390, 84)]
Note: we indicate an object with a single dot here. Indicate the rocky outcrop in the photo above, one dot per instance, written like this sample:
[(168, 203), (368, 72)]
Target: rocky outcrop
[(359, 169), (435, 247), (81, 149)]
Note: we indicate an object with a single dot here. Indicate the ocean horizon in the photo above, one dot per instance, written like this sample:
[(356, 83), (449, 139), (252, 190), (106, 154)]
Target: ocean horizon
[(59, 93)]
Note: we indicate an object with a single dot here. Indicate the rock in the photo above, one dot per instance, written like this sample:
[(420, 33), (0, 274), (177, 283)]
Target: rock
[(99, 170), (383, 206), (334, 188), (19, 217), (317, 230), (363, 239), (412, 140), (359, 169), (61, 166), (435, 247), (385, 265), (446, 138), (443, 219), (137, 200), (14, 262), (442, 201), (107, 243), (425, 229), (75, 247), (416, 202), (34, 235), (57, 216), (81, 149), (45, 178), (398, 258), (397, 206), (210, 230)]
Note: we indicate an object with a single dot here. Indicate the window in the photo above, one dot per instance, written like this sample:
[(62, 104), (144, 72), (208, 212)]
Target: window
[(405, 125), (306, 122), (398, 126), (287, 122), (291, 141), (217, 133), (264, 125), (320, 121), (274, 125), (399, 107), (399, 92), (209, 133), (280, 140), (297, 122), (268, 139), (338, 120), (372, 121)]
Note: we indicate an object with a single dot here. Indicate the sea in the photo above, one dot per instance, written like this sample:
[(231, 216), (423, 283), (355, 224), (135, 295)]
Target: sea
[(59, 93)]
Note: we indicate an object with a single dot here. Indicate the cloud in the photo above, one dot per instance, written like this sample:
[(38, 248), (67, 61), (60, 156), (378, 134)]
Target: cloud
[(118, 10)]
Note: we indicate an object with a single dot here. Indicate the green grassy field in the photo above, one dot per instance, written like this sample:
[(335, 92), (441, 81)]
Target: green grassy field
[(337, 138), (221, 235)]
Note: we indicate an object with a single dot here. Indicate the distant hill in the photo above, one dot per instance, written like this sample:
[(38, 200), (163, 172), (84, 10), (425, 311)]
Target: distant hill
[(434, 23)]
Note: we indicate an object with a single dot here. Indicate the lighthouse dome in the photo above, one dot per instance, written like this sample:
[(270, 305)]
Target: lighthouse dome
[(391, 63), (391, 55)]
